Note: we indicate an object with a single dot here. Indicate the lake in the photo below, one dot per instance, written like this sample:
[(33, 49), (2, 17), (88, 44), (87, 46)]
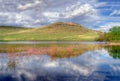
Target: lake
[(59, 61)]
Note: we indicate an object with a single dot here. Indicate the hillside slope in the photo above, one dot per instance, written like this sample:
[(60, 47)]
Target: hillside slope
[(56, 31)]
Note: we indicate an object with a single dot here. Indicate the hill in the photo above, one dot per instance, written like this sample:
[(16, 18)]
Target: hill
[(56, 31)]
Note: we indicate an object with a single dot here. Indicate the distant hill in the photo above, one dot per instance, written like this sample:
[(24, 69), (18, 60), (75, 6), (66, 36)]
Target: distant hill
[(71, 27), (56, 31)]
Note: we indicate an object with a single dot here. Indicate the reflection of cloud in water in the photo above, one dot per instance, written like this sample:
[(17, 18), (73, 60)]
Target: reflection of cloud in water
[(51, 64), (84, 64), (32, 67), (27, 74)]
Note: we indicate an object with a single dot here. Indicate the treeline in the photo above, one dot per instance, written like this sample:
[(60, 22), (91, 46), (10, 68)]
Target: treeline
[(112, 35), (114, 51)]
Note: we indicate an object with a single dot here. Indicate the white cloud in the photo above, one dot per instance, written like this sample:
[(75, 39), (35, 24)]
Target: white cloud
[(52, 14), (73, 11), (18, 19), (115, 12), (108, 26), (100, 4), (29, 5), (85, 9), (43, 12)]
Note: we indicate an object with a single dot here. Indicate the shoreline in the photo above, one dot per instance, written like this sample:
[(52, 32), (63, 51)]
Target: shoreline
[(51, 42), (112, 44), (62, 42)]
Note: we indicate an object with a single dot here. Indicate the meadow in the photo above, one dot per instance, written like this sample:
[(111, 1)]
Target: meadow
[(57, 31)]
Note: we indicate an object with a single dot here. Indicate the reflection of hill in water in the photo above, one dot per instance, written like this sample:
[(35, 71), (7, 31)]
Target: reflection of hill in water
[(13, 56), (38, 67), (114, 51), (88, 66), (55, 51)]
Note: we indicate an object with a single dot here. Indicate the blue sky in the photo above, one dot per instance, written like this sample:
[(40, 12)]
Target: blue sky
[(94, 14)]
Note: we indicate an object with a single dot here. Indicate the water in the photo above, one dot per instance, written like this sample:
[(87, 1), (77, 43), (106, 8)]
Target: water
[(71, 62), (52, 42)]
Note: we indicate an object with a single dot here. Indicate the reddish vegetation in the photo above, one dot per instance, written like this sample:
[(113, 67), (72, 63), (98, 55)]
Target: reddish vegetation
[(112, 44), (31, 51), (54, 51)]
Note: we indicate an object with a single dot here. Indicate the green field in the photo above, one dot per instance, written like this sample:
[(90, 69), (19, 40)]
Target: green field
[(57, 31)]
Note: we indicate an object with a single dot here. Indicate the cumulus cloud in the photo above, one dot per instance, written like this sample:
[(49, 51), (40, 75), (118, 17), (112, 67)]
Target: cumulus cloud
[(73, 11), (18, 19), (29, 5), (85, 12), (41, 12), (85, 9), (108, 26), (32, 13), (52, 14)]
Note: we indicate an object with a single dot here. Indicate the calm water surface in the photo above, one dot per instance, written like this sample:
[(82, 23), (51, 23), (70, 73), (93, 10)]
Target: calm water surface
[(93, 63)]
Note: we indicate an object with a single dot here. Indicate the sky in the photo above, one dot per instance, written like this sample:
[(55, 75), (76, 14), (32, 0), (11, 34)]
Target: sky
[(94, 14)]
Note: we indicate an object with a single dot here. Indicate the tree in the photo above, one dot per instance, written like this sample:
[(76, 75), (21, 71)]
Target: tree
[(113, 34)]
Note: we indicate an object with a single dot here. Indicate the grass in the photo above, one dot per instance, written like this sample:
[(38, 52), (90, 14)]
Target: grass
[(58, 31)]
